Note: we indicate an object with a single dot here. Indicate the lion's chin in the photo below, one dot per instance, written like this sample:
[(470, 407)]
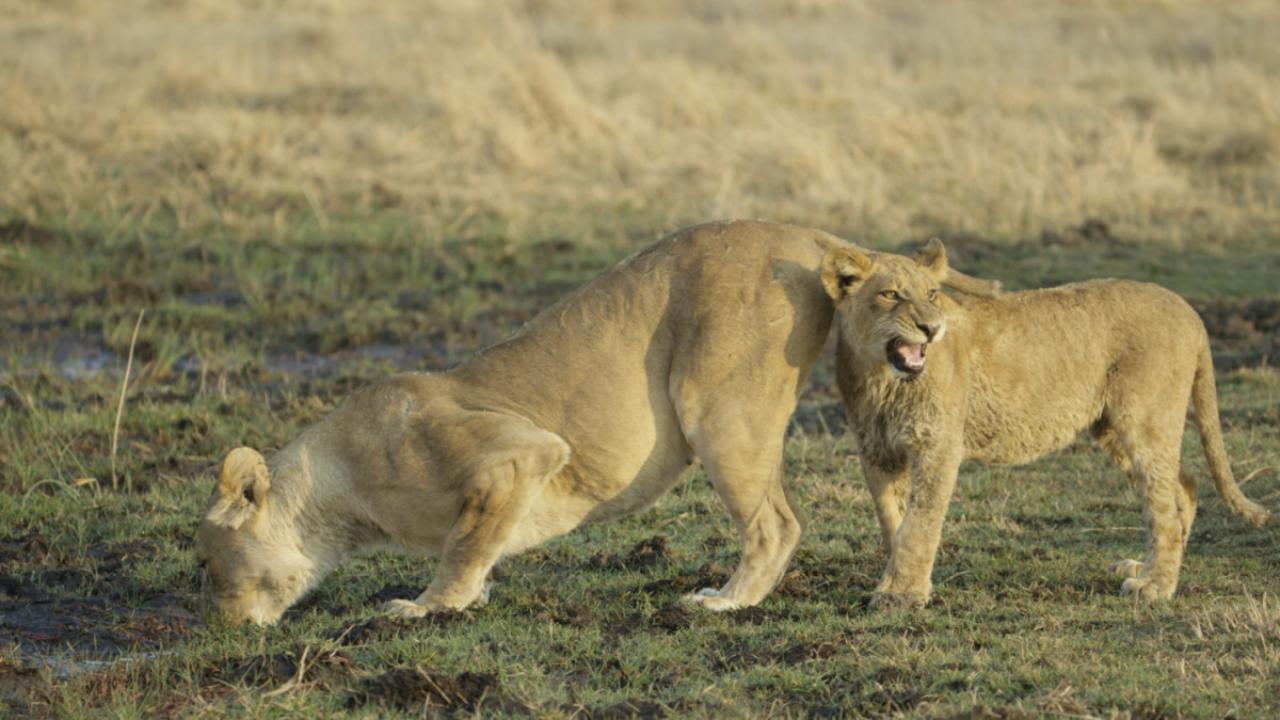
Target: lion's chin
[(906, 357)]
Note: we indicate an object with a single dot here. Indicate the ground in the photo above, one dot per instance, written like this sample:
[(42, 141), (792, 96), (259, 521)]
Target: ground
[(98, 611), (305, 195)]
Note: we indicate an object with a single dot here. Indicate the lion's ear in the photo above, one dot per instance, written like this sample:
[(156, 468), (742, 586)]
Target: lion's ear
[(242, 488), (933, 257), (843, 268)]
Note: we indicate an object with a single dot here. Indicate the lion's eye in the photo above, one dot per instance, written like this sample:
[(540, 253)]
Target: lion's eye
[(891, 295)]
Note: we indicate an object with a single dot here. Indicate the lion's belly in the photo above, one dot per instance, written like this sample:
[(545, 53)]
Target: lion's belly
[(1021, 449), (1013, 433)]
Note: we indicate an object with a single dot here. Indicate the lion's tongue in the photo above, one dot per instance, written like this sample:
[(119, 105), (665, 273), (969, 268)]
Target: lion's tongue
[(912, 355)]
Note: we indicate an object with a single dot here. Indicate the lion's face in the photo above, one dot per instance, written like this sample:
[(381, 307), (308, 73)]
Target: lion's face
[(889, 306), (251, 564)]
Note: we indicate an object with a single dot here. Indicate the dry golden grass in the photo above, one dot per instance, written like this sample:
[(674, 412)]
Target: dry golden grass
[(888, 119)]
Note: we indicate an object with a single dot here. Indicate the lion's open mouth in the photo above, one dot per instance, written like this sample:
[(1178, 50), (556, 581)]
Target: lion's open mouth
[(906, 357)]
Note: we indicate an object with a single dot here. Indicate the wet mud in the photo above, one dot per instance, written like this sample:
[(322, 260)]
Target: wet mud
[(76, 608)]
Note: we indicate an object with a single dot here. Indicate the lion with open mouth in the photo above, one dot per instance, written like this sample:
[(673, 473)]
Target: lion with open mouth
[(694, 348), (930, 381)]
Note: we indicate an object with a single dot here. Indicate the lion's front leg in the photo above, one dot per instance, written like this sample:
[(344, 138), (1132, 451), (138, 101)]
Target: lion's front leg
[(503, 478), (474, 545), (425, 604), (889, 488), (906, 580)]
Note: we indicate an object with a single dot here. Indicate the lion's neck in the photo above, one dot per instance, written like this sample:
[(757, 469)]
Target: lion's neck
[(888, 414), (315, 497)]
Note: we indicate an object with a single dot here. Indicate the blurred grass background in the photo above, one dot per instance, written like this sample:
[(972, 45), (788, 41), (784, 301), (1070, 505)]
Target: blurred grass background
[(262, 119)]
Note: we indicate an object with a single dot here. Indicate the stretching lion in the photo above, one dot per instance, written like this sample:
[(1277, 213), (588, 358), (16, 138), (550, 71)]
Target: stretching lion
[(1010, 379), (695, 347)]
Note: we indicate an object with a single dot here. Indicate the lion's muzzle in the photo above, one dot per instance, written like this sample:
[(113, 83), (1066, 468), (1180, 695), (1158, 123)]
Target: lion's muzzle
[(906, 357)]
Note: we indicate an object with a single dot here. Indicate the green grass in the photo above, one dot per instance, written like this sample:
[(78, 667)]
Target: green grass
[(247, 343)]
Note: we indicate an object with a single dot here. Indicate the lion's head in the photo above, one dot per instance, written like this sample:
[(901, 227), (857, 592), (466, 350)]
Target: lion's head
[(889, 305), (251, 561)]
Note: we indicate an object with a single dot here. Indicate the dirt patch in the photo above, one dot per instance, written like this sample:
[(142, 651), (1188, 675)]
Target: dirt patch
[(54, 604), (646, 553), (20, 687), (381, 628), (733, 654), (671, 618), (750, 616), (420, 689), (543, 605), (805, 651), (395, 592), (49, 608), (815, 579), (92, 627), (668, 619), (571, 615), (325, 669), (711, 574), (1245, 333)]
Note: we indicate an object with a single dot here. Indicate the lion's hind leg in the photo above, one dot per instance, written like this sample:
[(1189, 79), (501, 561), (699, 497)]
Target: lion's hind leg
[(1184, 496), (1150, 453), (1110, 442), (744, 464)]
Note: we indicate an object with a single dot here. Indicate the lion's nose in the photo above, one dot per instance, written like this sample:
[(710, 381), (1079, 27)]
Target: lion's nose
[(929, 329)]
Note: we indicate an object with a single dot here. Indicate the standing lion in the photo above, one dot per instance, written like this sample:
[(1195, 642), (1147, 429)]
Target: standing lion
[(930, 381), (695, 347)]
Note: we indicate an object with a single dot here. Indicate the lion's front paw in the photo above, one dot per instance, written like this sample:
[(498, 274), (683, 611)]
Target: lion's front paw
[(888, 600), (1146, 589), (711, 599), (406, 609), (1127, 568), (484, 594)]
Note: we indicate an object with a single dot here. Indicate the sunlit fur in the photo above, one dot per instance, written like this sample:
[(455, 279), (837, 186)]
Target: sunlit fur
[(1016, 377), (693, 349)]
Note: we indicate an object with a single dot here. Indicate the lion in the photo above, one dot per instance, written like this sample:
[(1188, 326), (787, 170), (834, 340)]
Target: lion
[(929, 381), (693, 348)]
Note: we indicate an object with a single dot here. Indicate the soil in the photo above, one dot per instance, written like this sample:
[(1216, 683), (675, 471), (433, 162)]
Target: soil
[(60, 606), (646, 553), (711, 574), (671, 618), (1245, 333), (736, 654), (380, 627), (420, 689), (328, 669)]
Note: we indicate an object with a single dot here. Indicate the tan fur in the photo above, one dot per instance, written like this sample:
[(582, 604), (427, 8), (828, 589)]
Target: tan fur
[(1009, 379), (695, 347)]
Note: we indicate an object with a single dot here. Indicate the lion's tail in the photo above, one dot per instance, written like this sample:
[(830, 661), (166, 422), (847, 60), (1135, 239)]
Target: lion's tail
[(1204, 393)]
